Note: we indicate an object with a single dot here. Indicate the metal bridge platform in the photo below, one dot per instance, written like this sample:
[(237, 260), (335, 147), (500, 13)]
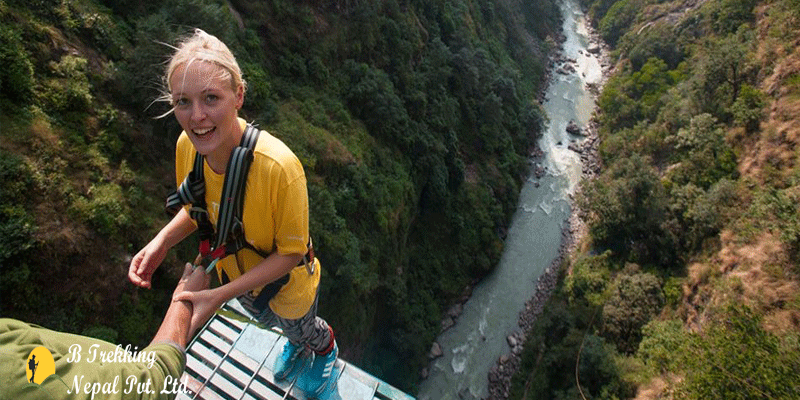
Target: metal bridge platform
[(232, 358)]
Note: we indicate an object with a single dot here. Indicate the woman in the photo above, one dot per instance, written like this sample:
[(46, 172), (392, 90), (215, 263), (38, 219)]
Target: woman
[(206, 90)]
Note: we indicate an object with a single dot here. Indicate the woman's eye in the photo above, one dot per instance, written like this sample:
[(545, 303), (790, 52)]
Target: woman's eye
[(210, 98), (181, 102)]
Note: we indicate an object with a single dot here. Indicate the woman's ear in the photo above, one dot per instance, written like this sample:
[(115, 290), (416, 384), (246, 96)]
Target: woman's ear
[(239, 96)]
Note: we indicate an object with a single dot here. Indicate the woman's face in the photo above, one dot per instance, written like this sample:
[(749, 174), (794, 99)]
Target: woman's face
[(206, 106)]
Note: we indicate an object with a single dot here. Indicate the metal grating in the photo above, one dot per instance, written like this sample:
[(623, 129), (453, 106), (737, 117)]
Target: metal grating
[(232, 358)]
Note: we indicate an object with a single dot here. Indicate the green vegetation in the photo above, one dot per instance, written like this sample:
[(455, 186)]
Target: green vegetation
[(738, 359), (413, 120), (693, 223)]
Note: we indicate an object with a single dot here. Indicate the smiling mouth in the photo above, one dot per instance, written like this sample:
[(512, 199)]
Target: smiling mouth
[(203, 132)]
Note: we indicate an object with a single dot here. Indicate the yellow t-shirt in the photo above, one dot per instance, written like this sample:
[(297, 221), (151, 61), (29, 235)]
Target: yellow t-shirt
[(275, 216)]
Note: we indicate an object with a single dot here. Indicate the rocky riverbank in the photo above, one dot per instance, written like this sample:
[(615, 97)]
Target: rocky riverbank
[(571, 236), (573, 231)]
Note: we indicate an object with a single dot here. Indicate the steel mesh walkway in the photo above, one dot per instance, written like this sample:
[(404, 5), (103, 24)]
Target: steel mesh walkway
[(232, 358)]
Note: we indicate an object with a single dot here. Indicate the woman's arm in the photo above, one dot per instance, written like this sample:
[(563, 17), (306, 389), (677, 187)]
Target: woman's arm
[(176, 326), (145, 262), (206, 302)]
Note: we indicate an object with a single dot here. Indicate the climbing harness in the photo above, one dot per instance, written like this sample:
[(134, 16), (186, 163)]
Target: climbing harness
[(229, 238)]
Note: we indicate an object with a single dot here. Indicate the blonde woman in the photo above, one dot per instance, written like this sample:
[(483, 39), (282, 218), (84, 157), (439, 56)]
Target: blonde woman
[(274, 274)]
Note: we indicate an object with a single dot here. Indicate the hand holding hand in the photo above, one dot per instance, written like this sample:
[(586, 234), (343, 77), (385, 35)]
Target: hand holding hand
[(193, 280), (193, 288)]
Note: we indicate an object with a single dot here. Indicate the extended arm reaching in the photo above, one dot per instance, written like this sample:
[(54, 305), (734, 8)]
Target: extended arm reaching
[(176, 326)]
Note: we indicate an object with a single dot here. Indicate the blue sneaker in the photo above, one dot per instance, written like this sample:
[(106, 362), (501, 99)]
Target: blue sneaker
[(286, 362), (318, 377)]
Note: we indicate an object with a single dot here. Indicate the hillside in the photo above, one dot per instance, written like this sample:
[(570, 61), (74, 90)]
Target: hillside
[(688, 283), (413, 121)]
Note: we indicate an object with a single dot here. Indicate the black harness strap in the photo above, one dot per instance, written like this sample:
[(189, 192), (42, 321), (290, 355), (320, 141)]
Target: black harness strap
[(193, 191), (230, 231), (229, 237)]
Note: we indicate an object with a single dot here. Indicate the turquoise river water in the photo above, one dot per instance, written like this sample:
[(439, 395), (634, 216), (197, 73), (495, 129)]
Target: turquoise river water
[(478, 339)]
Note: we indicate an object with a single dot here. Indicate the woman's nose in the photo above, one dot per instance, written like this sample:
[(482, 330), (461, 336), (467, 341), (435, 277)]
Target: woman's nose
[(198, 113)]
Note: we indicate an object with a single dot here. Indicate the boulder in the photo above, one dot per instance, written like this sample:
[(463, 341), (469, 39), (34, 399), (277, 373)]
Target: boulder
[(573, 128), (436, 351)]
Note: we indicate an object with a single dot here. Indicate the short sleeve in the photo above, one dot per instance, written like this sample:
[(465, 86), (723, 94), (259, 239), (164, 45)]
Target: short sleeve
[(292, 217)]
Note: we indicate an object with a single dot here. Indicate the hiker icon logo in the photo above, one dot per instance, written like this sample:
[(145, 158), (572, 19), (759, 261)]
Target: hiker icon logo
[(40, 365)]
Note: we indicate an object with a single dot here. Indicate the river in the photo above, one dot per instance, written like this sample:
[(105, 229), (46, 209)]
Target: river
[(479, 338)]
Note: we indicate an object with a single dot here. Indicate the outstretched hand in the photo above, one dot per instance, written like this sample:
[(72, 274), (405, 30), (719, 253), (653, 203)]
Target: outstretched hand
[(145, 262)]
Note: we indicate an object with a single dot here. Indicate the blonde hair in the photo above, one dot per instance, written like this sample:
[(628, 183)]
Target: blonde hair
[(201, 46)]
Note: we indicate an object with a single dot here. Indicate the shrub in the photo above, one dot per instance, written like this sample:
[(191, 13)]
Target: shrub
[(16, 81), (748, 109), (70, 89), (105, 208), (661, 343), (735, 358), (17, 227), (635, 299), (589, 279)]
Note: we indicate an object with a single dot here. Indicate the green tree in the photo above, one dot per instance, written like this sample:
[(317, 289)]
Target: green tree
[(697, 214), (589, 279), (618, 19), (636, 96), (727, 16), (16, 81), (640, 46), (708, 157), (735, 358), (634, 301), (724, 66), (661, 344), (626, 208), (748, 108)]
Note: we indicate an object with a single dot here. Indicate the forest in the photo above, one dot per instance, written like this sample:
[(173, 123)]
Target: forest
[(687, 283), (413, 119)]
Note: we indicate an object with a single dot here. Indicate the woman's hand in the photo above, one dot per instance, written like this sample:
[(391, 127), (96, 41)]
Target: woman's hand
[(193, 280), (145, 262), (176, 326), (204, 303)]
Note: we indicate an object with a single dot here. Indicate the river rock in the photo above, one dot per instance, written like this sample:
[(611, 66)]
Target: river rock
[(436, 351), (512, 342), (455, 311), (573, 128), (447, 323), (567, 69)]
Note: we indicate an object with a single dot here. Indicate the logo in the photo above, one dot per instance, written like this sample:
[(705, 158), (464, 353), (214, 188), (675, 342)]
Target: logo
[(40, 365)]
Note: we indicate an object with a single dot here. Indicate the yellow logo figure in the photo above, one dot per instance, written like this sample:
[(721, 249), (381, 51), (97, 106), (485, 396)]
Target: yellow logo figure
[(40, 365)]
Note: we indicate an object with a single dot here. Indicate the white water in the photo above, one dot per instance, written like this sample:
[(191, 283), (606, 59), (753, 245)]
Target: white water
[(478, 339)]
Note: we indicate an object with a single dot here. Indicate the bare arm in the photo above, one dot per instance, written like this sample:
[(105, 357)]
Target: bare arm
[(268, 270), (176, 326), (150, 257), (178, 228)]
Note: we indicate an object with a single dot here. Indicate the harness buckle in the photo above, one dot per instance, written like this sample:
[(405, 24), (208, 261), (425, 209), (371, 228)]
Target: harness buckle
[(207, 262), (308, 258)]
